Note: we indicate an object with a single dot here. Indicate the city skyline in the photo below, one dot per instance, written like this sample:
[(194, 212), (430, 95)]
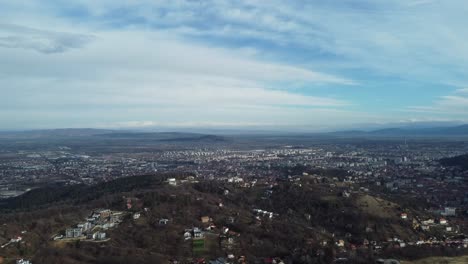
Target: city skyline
[(310, 65)]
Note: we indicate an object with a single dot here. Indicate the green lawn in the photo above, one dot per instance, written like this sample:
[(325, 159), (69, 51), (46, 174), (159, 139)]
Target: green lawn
[(198, 246)]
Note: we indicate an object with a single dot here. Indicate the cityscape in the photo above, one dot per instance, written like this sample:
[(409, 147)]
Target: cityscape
[(395, 195)]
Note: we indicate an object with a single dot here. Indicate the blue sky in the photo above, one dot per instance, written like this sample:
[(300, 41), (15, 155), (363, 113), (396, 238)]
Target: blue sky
[(309, 65)]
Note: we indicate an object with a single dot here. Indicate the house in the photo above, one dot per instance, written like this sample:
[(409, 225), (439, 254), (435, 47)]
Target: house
[(77, 232), (264, 213), (443, 221), (23, 261), (449, 211), (163, 221), (404, 216), (187, 235), (85, 226), (428, 222), (340, 243), (172, 181), (136, 216), (69, 233), (16, 240), (205, 219), (198, 233), (235, 180), (73, 232), (92, 219), (104, 213), (99, 236)]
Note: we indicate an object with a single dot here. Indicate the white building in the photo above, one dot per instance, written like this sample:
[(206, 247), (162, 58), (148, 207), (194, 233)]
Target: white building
[(23, 261), (172, 181), (136, 216), (449, 211)]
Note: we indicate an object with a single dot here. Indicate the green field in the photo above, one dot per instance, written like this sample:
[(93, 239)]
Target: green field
[(198, 246)]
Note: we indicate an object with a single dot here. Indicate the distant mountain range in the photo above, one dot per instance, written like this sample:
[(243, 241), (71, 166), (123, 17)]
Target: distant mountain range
[(452, 131), (162, 136), (64, 132), (110, 134), (461, 130)]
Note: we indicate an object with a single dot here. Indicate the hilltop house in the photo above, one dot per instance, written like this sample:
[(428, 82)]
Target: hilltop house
[(23, 261), (198, 233), (136, 216), (188, 234), (163, 221), (195, 233), (172, 181), (73, 232)]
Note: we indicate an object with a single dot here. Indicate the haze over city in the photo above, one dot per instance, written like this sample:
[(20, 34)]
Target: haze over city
[(306, 65)]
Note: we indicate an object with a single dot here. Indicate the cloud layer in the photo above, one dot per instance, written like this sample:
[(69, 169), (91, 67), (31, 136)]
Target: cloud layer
[(315, 64)]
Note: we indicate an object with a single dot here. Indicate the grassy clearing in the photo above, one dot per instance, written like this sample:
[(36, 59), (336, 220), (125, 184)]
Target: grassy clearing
[(198, 246), (376, 206)]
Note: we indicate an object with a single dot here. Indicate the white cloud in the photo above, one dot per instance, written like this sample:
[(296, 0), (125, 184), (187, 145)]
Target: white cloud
[(462, 91), (454, 105), (189, 60), (14, 36), (145, 75), (452, 101)]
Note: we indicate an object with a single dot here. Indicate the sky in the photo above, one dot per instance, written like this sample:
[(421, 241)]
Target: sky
[(296, 65)]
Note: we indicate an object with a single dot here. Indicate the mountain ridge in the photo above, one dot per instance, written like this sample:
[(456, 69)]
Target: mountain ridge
[(459, 130)]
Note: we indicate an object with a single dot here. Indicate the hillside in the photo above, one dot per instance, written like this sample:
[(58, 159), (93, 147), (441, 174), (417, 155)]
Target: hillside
[(107, 134), (460, 161), (306, 216), (78, 194)]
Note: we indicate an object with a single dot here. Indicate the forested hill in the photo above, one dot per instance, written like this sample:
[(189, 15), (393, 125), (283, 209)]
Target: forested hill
[(460, 161), (78, 194)]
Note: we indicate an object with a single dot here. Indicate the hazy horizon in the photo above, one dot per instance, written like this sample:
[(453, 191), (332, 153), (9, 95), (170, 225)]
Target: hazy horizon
[(220, 130)]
